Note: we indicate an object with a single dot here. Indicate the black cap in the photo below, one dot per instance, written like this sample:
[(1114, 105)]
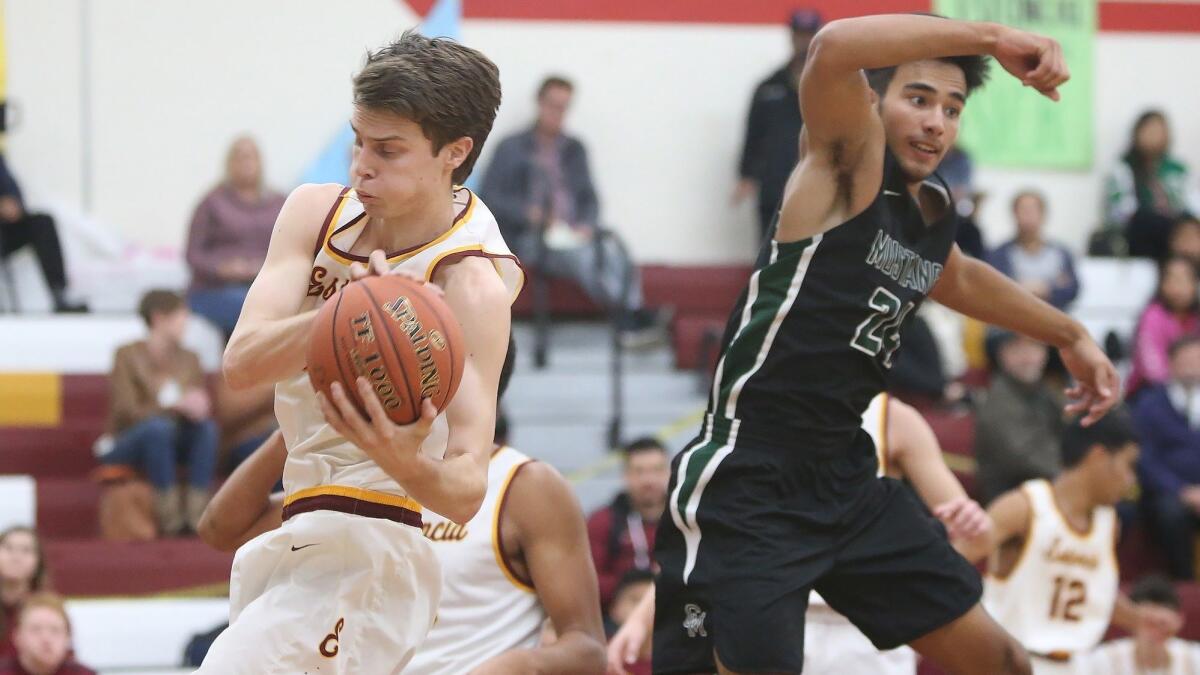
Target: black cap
[(805, 20)]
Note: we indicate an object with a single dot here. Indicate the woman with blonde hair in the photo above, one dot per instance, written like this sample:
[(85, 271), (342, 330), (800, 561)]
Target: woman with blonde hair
[(229, 234)]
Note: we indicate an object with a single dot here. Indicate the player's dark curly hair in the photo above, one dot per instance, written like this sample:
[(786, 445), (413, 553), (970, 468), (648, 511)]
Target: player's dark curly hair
[(974, 67), (449, 89)]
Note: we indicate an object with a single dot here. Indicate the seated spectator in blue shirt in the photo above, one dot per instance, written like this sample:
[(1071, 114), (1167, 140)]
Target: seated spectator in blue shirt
[(20, 228), (1168, 421), (1044, 267), (539, 180)]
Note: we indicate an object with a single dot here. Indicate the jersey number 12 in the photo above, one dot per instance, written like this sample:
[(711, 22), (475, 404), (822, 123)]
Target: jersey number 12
[(880, 332)]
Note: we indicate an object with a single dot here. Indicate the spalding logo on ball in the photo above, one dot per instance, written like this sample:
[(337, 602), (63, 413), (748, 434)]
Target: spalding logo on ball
[(399, 335)]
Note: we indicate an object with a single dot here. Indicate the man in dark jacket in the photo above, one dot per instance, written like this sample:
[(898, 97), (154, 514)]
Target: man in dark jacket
[(540, 179), (772, 143), (1168, 422), (19, 228)]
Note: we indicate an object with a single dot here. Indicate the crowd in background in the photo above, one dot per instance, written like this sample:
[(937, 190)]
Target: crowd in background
[(173, 431)]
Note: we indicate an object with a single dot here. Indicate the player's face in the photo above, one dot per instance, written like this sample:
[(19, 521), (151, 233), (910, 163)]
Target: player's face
[(18, 557), (920, 112), (394, 168), (1119, 473), (42, 639)]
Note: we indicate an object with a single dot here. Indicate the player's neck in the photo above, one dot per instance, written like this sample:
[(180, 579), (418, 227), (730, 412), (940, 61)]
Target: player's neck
[(1073, 497), (414, 228), (1150, 655)]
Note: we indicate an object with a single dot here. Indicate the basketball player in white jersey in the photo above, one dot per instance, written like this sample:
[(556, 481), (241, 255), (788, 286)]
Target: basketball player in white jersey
[(522, 557), (1150, 651), (347, 584), (1052, 576), (907, 450)]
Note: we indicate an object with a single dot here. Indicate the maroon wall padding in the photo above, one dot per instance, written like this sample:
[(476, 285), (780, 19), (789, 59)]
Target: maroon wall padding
[(567, 299), (94, 567), (65, 450), (67, 507)]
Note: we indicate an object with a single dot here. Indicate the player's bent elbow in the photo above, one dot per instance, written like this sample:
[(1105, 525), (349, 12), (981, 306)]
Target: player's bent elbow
[(233, 367), (212, 535), (827, 43)]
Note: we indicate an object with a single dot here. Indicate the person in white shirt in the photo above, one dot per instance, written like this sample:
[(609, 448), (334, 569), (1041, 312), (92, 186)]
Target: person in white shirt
[(521, 559), (1052, 573), (1151, 651)]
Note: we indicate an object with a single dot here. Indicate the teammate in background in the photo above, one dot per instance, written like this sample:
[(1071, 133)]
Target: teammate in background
[(1150, 650), (522, 557), (1052, 574), (908, 451), (777, 496), (347, 583)]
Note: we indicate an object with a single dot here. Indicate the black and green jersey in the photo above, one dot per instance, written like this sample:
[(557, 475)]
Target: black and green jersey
[(809, 341)]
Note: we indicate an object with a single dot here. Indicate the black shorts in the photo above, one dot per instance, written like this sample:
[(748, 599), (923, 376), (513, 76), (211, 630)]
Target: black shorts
[(741, 549)]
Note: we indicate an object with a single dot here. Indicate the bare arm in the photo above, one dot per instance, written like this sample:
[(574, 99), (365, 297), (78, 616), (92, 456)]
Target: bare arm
[(973, 288), (632, 641), (1010, 515), (915, 451), (453, 486), (270, 340), (244, 507), (842, 147), (554, 545)]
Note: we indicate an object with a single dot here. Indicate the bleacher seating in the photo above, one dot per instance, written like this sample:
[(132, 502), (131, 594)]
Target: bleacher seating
[(142, 636)]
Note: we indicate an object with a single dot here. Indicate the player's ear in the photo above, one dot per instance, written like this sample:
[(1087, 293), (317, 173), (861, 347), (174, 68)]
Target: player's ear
[(457, 151)]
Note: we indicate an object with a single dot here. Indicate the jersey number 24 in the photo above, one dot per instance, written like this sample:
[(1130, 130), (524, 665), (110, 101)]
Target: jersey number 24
[(879, 333)]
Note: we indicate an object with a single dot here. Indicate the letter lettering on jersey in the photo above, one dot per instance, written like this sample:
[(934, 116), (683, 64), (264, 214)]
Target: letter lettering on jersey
[(1060, 552), (906, 267), (444, 531)]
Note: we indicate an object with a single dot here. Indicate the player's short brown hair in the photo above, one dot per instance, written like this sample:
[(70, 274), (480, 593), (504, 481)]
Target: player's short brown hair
[(158, 302), (449, 89)]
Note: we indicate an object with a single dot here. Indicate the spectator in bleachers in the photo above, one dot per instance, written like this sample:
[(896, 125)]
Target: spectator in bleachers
[(1150, 649), (22, 573), (19, 228), (1185, 240), (539, 183), (1173, 313), (771, 147), (1019, 425), (1045, 268), (622, 533), (1168, 422), (228, 238), (1149, 188), (43, 640), (959, 173), (161, 414)]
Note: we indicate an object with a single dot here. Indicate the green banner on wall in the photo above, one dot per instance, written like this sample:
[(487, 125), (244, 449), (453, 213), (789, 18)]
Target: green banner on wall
[(1007, 124)]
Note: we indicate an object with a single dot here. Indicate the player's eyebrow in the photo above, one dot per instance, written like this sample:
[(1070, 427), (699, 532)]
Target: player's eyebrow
[(382, 139), (929, 88)]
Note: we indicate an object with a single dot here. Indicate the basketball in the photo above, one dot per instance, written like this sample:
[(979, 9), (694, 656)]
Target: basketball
[(397, 333)]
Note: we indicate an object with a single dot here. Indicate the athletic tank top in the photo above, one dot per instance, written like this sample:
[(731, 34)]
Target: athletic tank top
[(321, 461), (809, 341), (486, 608), (1059, 597)]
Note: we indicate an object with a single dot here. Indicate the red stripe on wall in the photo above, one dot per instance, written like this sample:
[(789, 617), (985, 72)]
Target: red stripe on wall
[(1115, 15), (681, 11), (1152, 17)]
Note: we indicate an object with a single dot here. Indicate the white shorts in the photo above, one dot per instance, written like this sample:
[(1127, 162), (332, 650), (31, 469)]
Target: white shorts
[(328, 593), (833, 646)]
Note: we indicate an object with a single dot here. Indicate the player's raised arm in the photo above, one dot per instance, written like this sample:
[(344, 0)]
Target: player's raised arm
[(554, 546), (976, 289), (270, 339)]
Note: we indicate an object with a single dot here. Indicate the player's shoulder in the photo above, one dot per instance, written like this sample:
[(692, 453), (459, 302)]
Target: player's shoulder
[(309, 205), (476, 275), (1014, 507), (308, 193), (541, 485)]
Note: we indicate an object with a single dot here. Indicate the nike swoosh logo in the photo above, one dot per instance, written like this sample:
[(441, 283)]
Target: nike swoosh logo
[(297, 548), (889, 193)]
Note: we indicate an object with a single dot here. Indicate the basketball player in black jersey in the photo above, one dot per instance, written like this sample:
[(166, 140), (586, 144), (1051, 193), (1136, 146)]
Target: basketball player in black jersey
[(778, 494)]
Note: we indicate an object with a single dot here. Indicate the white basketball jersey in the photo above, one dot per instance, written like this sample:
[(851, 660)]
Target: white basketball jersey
[(321, 461), (874, 422), (1059, 597), (1119, 658), (486, 609)]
